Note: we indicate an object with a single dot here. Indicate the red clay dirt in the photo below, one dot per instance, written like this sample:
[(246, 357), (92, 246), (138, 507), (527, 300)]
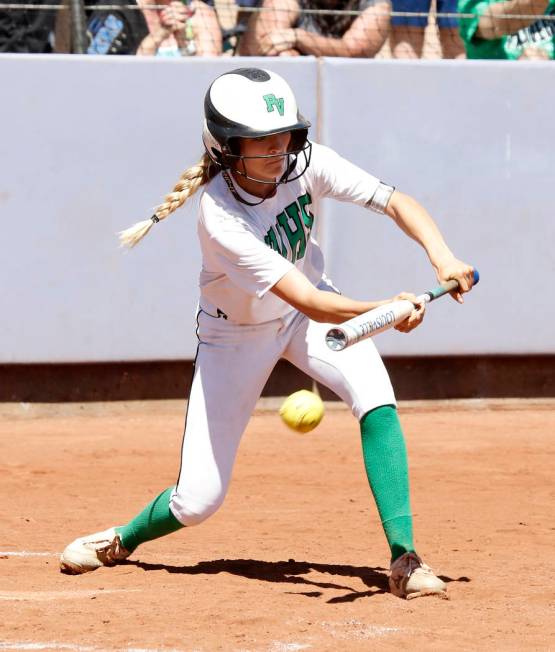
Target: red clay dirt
[(296, 558)]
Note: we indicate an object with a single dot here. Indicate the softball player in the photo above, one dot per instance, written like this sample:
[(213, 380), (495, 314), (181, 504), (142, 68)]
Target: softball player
[(264, 296)]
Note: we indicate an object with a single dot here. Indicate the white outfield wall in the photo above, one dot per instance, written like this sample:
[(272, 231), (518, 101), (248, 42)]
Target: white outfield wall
[(90, 144)]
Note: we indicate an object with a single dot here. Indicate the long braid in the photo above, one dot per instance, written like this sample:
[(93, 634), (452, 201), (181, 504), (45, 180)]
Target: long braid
[(189, 182)]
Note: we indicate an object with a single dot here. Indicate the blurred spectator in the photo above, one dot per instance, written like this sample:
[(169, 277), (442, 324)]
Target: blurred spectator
[(407, 32), (233, 16), (28, 30), (181, 29), (282, 28), (491, 34)]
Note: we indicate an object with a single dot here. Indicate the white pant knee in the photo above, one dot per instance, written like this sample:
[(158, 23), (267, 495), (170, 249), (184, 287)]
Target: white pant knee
[(190, 509)]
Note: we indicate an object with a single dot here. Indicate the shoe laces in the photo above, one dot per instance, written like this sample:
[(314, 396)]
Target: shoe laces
[(409, 563), (413, 562), (112, 552)]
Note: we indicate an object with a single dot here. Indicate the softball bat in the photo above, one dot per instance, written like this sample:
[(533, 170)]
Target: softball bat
[(381, 319)]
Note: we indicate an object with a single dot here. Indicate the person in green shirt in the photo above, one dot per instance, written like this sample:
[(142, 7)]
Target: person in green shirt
[(496, 30)]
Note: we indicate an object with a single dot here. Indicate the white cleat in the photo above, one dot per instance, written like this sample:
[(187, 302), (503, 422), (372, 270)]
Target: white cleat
[(89, 553), (411, 578)]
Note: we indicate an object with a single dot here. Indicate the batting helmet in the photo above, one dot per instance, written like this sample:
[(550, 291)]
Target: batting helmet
[(251, 103)]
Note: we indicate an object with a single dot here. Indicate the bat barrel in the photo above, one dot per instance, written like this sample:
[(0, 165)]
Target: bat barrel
[(380, 319), (368, 324)]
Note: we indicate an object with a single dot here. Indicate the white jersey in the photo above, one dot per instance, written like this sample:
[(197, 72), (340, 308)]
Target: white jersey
[(246, 250)]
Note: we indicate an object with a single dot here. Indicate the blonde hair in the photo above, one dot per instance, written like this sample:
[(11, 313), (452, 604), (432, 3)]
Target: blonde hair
[(189, 182)]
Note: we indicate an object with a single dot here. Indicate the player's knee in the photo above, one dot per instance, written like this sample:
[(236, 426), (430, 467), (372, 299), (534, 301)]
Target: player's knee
[(192, 509)]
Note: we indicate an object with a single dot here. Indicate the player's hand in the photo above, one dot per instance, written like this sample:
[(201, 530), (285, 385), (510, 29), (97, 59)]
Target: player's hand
[(272, 44), (416, 316), (461, 272)]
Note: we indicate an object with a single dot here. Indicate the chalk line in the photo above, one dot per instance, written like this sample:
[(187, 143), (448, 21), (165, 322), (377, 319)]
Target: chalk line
[(28, 645), (26, 553), (43, 596)]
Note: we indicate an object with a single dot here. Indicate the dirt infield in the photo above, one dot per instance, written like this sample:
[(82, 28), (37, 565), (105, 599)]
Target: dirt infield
[(295, 559)]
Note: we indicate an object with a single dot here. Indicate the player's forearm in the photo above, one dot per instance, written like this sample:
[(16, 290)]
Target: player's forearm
[(495, 23), (296, 290), (332, 308), (417, 223)]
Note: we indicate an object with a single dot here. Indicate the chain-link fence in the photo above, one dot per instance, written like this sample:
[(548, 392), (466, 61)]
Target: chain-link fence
[(430, 29)]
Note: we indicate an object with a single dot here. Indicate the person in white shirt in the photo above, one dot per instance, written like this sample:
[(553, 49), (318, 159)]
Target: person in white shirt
[(264, 296)]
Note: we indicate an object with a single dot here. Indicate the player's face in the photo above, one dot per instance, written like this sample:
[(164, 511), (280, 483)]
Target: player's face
[(274, 147)]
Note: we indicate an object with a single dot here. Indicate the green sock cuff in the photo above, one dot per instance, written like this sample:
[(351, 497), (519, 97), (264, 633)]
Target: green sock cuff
[(156, 520)]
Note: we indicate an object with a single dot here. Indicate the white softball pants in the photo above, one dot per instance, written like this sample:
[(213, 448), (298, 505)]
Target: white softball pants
[(232, 366)]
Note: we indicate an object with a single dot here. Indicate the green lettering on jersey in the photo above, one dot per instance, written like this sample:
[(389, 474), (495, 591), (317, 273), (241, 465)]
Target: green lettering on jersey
[(272, 102), (308, 217), (271, 240), (298, 214), (280, 235), (296, 236)]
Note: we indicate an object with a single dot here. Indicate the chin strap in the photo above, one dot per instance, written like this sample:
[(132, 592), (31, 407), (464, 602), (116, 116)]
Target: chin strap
[(292, 158), (234, 192)]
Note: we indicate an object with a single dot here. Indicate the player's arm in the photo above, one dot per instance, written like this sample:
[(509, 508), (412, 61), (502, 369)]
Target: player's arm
[(495, 21), (329, 307), (417, 223)]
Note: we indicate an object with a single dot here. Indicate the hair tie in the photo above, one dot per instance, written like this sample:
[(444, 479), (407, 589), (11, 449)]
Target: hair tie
[(155, 219)]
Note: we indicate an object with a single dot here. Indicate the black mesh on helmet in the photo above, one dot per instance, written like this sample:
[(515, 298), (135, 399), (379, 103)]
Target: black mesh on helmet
[(254, 74)]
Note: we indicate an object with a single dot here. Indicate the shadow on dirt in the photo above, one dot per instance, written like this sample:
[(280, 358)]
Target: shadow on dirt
[(291, 572)]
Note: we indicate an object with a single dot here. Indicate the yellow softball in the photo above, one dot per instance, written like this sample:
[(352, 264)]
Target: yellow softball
[(302, 411)]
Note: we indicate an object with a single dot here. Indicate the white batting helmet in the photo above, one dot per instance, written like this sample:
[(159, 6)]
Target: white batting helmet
[(250, 103)]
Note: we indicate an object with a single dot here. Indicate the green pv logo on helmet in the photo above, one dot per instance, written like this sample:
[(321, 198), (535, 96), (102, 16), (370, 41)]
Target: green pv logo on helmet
[(272, 102)]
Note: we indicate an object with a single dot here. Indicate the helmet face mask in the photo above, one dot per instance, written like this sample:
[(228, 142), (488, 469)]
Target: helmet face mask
[(253, 103), (236, 161)]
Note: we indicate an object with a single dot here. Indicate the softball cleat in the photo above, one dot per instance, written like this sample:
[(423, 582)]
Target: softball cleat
[(411, 578), (89, 553)]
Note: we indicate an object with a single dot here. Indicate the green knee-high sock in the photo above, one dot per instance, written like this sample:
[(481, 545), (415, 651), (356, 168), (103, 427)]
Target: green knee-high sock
[(156, 520), (385, 459)]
